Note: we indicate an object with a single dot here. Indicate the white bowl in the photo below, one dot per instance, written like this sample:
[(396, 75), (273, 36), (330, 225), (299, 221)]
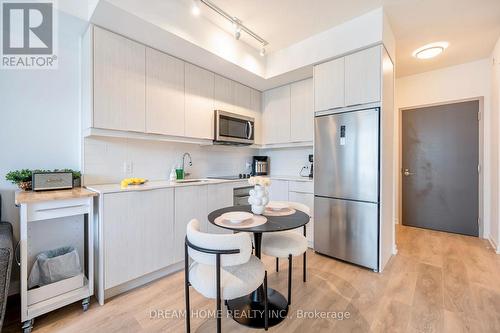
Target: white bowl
[(277, 205), (237, 217)]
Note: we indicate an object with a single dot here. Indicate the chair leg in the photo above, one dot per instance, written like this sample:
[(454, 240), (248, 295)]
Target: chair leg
[(304, 267), (186, 289), (277, 264), (218, 300), (289, 279), (188, 311), (266, 312)]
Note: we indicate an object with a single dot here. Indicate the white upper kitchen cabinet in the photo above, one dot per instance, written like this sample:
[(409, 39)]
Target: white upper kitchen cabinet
[(190, 203), (223, 94), (164, 94), (301, 111), (119, 81), (242, 98), (199, 107), (138, 237), (276, 115), (329, 85), (363, 76)]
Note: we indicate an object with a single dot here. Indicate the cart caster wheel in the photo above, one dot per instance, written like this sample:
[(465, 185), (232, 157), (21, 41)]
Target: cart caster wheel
[(86, 304), (28, 326)]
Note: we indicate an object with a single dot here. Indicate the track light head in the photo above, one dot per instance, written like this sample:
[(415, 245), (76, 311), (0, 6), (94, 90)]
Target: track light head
[(263, 51)]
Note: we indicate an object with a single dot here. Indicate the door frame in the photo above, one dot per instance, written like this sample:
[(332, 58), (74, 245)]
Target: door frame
[(484, 224)]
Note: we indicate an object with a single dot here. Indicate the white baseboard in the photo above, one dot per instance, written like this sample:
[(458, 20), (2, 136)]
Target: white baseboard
[(394, 249), (494, 245), (108, 293)]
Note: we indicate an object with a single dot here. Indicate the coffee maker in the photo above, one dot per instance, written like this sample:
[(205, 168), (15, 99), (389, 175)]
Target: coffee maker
[(260, 166)]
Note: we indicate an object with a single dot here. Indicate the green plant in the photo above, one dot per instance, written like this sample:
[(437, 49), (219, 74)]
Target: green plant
[(24, 175), (76, 174), (18, 176)]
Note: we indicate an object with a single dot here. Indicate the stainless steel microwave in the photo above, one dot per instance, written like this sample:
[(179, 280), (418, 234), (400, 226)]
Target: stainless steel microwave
[(233, 129)]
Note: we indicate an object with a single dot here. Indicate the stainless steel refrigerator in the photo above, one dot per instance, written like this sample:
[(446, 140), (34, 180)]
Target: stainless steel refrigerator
[(346, 186)]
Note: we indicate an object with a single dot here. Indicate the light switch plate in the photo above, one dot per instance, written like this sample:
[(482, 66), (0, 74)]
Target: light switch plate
[(127, 168)]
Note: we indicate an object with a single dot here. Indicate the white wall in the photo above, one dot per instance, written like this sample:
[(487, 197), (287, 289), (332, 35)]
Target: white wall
[(495, 110), (469, 80), (104, 159), (40, 115)]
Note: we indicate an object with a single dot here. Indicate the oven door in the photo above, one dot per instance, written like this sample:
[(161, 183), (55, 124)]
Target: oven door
[(231, 128)]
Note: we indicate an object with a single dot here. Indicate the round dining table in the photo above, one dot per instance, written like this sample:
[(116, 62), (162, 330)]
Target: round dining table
[(248, 310)]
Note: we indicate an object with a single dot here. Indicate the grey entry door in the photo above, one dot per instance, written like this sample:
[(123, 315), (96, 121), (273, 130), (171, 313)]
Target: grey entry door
[(440, 167)]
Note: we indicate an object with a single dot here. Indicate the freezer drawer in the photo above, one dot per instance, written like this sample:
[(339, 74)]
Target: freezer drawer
[(347, 230), (346, 155)]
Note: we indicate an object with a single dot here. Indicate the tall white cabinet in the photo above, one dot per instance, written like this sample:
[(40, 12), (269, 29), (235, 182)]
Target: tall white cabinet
[(368, 81), (119, 81), (164, 94)]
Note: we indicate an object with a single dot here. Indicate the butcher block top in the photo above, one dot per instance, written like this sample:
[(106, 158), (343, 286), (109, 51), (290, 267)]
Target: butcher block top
[(23, 197)]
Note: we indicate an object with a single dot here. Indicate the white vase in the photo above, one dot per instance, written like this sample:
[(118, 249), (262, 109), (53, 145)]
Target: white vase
[(259, 197)]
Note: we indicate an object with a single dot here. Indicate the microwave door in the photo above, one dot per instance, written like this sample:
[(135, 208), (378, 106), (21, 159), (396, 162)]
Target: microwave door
[(234, 128)]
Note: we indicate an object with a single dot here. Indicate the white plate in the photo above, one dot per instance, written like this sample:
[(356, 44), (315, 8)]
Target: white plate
[(277, 205), (237, 217)]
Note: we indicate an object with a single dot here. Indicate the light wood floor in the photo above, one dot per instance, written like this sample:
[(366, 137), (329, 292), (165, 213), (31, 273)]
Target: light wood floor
[(438, 282)]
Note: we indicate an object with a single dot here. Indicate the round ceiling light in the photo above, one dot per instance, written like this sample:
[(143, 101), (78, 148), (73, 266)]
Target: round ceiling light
[(430, 50)]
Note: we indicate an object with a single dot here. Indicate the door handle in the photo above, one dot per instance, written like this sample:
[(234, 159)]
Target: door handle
[(249, 131), (407, 173)]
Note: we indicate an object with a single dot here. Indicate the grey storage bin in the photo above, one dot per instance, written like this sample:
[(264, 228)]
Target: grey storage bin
[(54, 265)]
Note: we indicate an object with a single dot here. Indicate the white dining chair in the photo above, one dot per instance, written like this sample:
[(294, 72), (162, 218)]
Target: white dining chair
[(222, 268), (287, 244)]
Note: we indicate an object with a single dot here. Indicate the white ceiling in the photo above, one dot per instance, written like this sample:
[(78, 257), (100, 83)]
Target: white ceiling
[(471, 26)]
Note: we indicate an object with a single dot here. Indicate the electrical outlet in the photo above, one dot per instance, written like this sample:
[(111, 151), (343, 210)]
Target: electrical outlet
[(127, 167)]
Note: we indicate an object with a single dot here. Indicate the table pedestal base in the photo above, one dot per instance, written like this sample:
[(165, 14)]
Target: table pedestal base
[(250, 313)]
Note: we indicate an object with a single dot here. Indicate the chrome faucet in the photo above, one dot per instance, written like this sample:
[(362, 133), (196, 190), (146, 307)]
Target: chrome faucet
[(184, 162)]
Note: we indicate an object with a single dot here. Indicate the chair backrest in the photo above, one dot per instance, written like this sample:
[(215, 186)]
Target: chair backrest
[(297, 206), (240, 241)]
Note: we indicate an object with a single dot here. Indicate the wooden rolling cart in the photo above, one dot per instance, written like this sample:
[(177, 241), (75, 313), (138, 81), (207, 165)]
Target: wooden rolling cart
[(49, 220)]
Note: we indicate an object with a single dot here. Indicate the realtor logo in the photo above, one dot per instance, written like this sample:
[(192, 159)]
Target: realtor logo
[(28, 35)]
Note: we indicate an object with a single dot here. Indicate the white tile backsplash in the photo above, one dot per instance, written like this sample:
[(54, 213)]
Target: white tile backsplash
[(104, 159), (288, 161)]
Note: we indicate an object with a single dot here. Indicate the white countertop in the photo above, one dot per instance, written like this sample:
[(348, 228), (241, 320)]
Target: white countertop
[(291, 178), (155, 184)]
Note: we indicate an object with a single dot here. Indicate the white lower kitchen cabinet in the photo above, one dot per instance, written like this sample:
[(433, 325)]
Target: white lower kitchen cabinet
[(278, 191), (138, 234), (218, 196), (190, 203), (308, 200)]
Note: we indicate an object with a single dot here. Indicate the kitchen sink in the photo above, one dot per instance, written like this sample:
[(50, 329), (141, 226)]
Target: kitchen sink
[(182, 181)]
